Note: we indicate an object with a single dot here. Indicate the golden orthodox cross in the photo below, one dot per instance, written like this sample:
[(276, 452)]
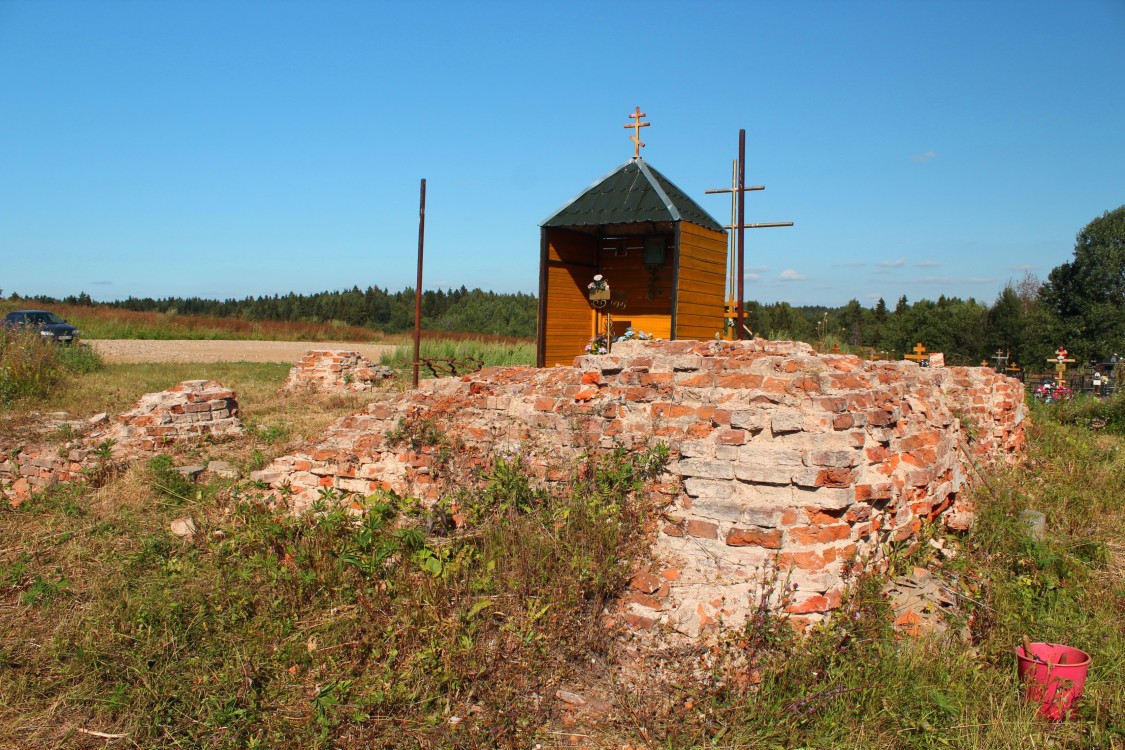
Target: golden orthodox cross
[(919, 353), (1060, 360), (636, 125)]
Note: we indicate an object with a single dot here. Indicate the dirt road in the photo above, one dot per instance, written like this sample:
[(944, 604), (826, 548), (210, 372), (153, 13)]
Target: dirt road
[(151, 350)]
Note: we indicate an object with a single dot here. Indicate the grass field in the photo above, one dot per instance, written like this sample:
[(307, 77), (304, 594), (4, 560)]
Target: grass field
[(266, 630)]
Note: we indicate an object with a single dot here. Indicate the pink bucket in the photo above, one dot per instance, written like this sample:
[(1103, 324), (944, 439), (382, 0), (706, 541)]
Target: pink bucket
[(1054, 675)]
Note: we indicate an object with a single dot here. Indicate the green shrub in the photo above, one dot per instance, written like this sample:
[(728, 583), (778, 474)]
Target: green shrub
[(1092, 413), (31, 368), (491, 354)]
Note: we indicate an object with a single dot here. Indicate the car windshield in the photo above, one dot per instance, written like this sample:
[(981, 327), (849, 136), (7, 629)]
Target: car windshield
[(43, 318)]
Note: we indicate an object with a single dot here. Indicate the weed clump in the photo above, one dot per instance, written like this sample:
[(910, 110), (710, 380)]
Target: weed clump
[(31, 368)]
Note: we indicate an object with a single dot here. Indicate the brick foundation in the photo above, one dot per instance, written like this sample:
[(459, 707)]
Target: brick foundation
[(781, 455), (335, 371), (185, 413)]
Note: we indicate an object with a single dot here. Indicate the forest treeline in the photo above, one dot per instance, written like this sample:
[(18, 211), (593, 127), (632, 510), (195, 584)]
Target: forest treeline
[(1080, 306), (456, 310)]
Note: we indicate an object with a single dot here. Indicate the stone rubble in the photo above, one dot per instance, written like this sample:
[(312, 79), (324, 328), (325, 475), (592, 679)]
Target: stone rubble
[(782, 458), (189, 412), (335, 371)]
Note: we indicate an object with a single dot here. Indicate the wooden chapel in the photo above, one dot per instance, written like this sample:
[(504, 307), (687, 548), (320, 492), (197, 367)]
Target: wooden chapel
[(663, 256)]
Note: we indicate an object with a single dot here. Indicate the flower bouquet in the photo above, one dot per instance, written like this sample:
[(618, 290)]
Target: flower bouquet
[(598, 289), (598, 345), (632, 334)]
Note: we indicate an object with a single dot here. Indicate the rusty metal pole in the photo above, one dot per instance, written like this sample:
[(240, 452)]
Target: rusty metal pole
[(741, 231), (418, 286)]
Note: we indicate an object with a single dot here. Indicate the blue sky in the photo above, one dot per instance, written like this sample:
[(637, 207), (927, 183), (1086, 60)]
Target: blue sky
[(226, 149)]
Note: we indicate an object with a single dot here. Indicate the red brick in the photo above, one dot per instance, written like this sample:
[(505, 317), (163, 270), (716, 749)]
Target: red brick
[(880, 418), (740, 380), (825, 516), (699, 430), (671, 411), (836, 477), (809, 535), (812, 604), (731, 437), (806, 560), (877, 453), (638, 622), (769, 538), (646, 583), (703, 529), (644, 600)]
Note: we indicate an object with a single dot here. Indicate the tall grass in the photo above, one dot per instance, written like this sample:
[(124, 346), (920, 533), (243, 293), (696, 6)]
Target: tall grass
[(1106, 414), (491, 353), (31, 368), (362, 624)]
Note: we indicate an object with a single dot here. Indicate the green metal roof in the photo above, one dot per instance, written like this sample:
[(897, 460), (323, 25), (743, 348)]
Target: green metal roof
[(632, 193)]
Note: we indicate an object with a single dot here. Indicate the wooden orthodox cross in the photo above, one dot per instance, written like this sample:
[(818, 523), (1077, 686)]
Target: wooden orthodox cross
[(1001, 359), (1060, 360), (738, 223), (636, 125), (919, 353)]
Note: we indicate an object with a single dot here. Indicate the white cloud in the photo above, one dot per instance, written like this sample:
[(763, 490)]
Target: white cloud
[(928, 264), (1023, 267), (756, 269), (891, 263), (936, 280), (753, 277), (790, 275), (924, 156), (978, 280)]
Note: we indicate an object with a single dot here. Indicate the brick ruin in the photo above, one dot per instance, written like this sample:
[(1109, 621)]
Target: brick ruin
[(188, 412), (780, 457), (334, 371)]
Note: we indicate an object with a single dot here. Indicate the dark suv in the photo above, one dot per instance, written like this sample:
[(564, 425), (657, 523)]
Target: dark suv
[(47, 323)]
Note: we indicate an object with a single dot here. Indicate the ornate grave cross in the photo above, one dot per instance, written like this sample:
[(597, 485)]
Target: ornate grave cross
[(919, 353), (1060, 360), (1000, 358), (636, 125)]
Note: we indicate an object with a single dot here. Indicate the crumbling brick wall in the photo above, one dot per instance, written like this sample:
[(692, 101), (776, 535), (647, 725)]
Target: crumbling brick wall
[(781, 456), (335, 371), (184, 413)]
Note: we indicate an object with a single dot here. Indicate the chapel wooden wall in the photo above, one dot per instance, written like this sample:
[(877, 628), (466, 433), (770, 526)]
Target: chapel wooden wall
[(700, 282), (566, 320)]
